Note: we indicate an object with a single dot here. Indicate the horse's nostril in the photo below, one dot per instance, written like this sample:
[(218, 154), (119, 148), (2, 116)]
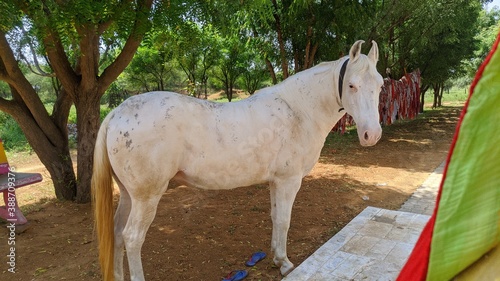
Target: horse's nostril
[(366, 136)]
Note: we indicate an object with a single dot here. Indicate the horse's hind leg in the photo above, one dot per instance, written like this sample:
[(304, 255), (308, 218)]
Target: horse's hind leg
[(121, 216), (283, 192), (141, 216)]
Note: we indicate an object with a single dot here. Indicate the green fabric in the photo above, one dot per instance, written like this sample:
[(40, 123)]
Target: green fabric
[(468, 218)]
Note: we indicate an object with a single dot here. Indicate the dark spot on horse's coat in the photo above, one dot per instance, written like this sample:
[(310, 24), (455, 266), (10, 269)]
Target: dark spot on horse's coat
[(120, 132), (163, 101), (126, 134), (136, 106), (136, 115), (115, 150), (167, 112), (128, 143), (213, 105), (127, 168)]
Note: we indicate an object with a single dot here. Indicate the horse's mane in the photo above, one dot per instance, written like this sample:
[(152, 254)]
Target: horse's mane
[(326, 65), (362, 64)]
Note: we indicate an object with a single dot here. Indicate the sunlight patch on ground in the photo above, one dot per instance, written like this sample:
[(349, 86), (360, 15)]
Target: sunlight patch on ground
[(166, 229), (371, 175), (423, 141)]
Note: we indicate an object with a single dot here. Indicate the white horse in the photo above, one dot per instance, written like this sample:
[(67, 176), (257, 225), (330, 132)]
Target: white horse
[(275, 136)]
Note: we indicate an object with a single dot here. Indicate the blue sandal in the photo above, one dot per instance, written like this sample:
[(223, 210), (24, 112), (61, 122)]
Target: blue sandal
[(236, 275), (255, 258)]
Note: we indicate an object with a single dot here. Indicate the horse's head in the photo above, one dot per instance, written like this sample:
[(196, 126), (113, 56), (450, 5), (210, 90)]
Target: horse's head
[(360, 94)]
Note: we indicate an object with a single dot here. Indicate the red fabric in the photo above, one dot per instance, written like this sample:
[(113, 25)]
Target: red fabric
[(417, 265)]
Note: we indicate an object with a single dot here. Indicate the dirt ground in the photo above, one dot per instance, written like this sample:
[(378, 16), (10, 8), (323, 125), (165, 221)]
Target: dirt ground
[(203, 235)]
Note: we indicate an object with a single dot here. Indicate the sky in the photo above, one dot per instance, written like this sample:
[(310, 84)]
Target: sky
[(494, 3)]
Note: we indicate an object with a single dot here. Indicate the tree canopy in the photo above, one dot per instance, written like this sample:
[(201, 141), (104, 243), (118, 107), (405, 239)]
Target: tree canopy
[(81, 49)]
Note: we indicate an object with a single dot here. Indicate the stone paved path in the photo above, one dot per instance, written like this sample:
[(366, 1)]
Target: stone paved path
[(423, 200), (375, 244)]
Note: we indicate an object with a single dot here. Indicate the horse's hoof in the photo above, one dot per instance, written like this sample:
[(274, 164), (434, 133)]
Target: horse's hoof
[(285, 269)]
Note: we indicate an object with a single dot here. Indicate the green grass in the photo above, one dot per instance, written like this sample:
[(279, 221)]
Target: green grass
[(224, 99), (453, 95), (14, 139), (456, 94)]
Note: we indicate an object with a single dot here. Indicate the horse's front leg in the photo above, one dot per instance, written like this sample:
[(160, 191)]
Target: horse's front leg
[(283, 193)]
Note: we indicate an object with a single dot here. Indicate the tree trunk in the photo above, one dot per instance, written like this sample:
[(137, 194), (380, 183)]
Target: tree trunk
[(270, 68), (296, 60), (281, 41), (436, 88), (309, 53), (229, 89), (440, 96), (55, 156), (46, 134), (422, 97), (87, 105), (205, 85)]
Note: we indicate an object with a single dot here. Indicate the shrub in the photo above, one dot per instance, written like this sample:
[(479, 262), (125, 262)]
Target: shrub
[(12, 135)]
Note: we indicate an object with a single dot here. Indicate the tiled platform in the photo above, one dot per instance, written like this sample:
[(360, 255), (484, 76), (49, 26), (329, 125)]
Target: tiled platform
[(375, 244), (423, 200)]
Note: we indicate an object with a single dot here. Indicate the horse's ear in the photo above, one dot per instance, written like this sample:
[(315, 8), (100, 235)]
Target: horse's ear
[(355, 50), (373, 54)]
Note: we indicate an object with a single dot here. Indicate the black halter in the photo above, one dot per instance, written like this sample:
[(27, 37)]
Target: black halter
[(341, 81)]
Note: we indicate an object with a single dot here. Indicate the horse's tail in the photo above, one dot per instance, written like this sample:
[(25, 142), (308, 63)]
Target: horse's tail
[(102, 199)]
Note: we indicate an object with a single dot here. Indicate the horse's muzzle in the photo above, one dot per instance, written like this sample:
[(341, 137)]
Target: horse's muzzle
[(370, 137)]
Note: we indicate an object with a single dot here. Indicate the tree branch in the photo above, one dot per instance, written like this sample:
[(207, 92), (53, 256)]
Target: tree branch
[(6, 105), (54, 48), (35, 57), (38, 70), (134, 40), (281, 41), (89, 58), (23, 93)]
